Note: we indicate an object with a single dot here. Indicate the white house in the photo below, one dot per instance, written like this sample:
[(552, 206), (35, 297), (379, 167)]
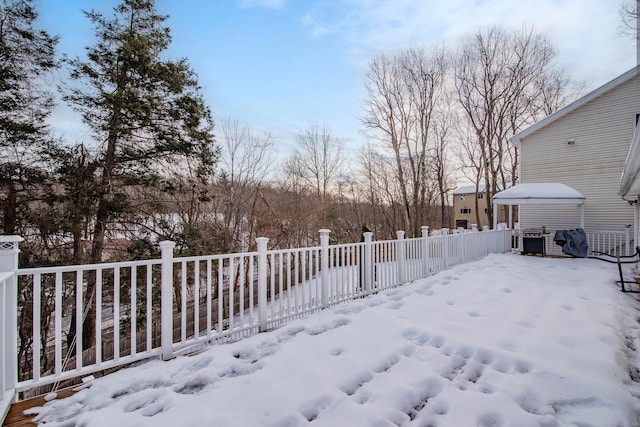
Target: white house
[(585, 145)]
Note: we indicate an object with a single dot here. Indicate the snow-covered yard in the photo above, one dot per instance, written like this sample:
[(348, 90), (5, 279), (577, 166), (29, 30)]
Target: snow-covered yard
[(505, 341)]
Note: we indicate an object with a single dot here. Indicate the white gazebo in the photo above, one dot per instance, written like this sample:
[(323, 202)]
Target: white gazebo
[(538, 194)]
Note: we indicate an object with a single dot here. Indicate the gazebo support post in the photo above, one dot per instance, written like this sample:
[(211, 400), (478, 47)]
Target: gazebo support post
[(636, 218), (582, 216), (495, 215), (510, 221)]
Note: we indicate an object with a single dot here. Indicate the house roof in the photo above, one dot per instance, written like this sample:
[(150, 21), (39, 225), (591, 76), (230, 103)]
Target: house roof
[(517, 138), (548, 193), (630, 181), (469, 189)]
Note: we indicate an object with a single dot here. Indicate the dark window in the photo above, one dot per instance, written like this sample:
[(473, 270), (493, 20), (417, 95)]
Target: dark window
[(462, 196), (486, 210), (480, 195), (465, 210)]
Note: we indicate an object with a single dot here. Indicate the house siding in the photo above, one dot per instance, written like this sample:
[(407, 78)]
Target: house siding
[(602, 130)]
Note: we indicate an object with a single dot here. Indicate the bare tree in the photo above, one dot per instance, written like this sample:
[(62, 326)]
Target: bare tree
[(382, 192), (555, 90), (630, 16), (245, 162), (318, 162), (402, 94), (443, 129), (470, 158), (498, 81)]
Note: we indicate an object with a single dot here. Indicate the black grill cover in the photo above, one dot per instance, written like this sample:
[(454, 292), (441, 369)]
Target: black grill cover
[(573, 242)]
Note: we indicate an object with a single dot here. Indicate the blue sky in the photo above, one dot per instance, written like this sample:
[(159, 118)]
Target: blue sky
[(282, 65)]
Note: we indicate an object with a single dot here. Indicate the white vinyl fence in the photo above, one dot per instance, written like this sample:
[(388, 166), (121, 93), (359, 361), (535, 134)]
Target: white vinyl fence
[(128, 311), (613, 242)]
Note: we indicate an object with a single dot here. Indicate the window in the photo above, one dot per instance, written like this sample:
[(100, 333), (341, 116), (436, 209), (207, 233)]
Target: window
[(462, 196), (480, 195), (465, 210), (637, 118), (486, 210)]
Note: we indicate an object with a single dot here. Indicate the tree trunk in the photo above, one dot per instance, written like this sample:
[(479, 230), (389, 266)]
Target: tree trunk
[(9, 210)]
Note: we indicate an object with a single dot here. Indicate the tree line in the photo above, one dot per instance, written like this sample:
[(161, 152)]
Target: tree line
[(154, 168)]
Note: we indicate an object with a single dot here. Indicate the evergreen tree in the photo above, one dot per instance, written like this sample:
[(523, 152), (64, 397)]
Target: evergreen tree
[(145, 112), (26, 55)]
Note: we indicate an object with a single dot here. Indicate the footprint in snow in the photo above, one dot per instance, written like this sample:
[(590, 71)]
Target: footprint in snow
[(416, 336), (424, 291), (350, 387), (142, 400), (437, 341), (337, 351), (395, 305), (484, 357), (386, 364), (489, 419), (195, 384), (311, 410), (349, 309), (334, 324)]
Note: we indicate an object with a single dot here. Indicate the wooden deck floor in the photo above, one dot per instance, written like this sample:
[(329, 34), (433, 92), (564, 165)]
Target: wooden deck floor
[(16, 418)]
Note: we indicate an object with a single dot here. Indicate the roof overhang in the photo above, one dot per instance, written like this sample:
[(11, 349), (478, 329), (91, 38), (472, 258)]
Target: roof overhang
[(539, 194), (630, 181), (517, 138)]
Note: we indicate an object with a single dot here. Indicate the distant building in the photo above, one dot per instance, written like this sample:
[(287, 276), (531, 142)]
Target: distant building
[(464, 207)]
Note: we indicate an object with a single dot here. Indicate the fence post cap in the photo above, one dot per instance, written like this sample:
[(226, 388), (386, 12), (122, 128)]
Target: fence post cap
[(324, 231), (10, 243), (167, 244), (11, 239)]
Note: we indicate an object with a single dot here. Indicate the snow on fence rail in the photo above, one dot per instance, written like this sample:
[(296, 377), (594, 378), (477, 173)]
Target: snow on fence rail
[(67, 322)]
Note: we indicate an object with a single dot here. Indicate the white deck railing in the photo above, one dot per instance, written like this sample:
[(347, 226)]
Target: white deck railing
[(613, 242), (169, 306)]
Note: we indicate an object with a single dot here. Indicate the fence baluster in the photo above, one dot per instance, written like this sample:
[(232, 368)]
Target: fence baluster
[(37, 309), (79, 319), (116, 313), (262, 282), (133, 298), (98, 316)]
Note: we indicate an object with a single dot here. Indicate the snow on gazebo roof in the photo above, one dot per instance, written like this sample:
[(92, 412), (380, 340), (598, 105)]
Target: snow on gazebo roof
[(539, 194)]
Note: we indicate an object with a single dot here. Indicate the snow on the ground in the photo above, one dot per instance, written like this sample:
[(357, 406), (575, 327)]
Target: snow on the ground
[(505, 341)]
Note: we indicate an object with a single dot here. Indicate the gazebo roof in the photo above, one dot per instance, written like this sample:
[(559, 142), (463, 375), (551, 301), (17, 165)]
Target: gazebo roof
[(539, 194)]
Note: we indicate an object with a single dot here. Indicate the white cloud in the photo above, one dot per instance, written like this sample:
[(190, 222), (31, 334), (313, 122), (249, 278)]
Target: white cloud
[(319, 31), (585, 32), (269, 4), (318, 20)]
